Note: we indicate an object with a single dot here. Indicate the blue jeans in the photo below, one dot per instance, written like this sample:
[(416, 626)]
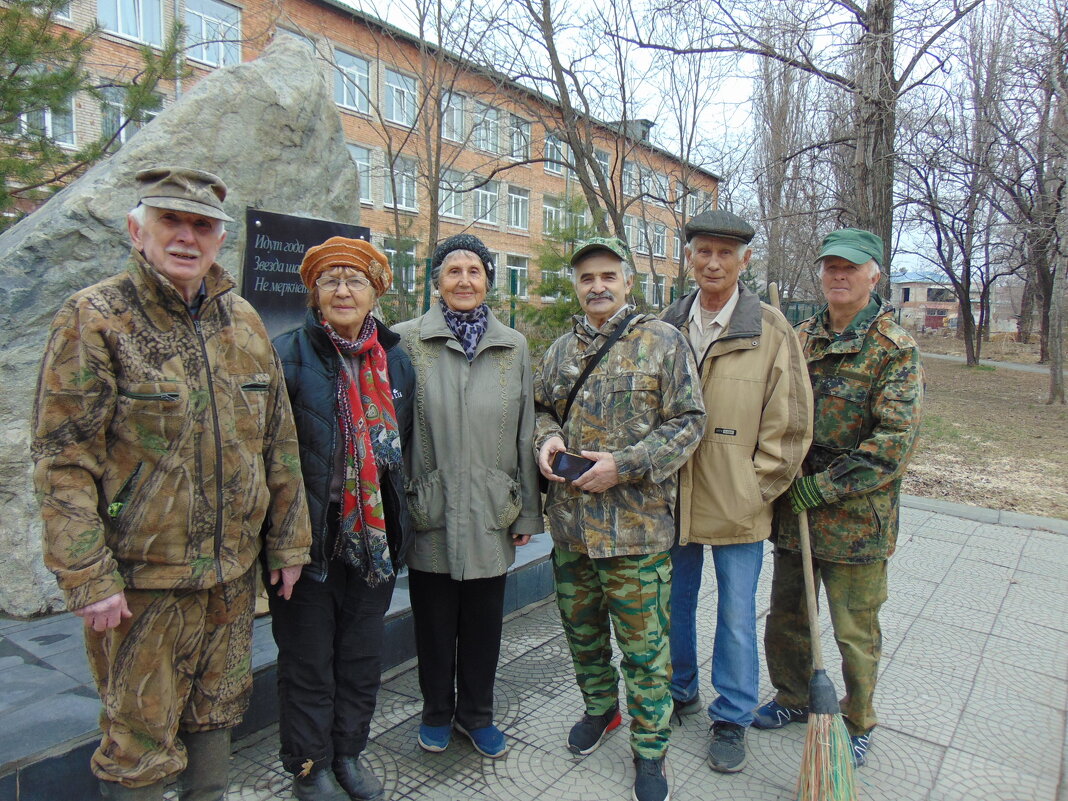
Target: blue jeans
[(735, 664)]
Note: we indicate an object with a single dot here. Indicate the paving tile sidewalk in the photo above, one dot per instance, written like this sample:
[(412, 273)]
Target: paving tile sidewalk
[(972, 698)]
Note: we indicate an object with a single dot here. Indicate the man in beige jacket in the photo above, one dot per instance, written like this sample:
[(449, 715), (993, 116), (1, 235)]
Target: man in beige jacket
[(759, 402)]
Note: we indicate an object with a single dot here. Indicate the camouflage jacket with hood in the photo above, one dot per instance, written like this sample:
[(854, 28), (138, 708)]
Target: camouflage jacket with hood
[(867, 384), (643, 404), (165, 448)]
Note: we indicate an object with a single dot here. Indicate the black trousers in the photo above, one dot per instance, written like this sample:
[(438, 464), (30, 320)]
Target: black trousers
[(458, 641), (329, 638)]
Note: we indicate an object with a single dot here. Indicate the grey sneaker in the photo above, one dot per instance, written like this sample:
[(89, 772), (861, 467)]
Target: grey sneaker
[(726, 752), (691, 707), (650, 780), (588, 733)]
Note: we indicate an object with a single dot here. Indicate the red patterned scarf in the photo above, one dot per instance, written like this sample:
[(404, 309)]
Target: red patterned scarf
[(371, 441)]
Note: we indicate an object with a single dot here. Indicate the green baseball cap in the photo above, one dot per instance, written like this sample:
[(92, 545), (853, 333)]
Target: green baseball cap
[(853, 245), (609, 243), (183, 189)]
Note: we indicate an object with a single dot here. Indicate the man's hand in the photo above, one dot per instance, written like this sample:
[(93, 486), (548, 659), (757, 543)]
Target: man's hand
[(289, 576), (603, 475), (552, 446), (106, 614), (520, 539)]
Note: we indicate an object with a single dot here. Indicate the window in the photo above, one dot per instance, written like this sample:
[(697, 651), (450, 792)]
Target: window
[(643, 237), (519, 138), (113, 115), (632, 184), (693, 203), (576, 220), (485, 134), (404, 179), (552, 217), (550, 283), (300, 37), (518, 275), (400, 98), (402, 262), (659, 239), (659, 284), (554, 155), (138, 19), (63, 12), (352, 81), (678, 246), (630, 230), (452, 117), (905, 292), (602, 162), (56, 123), (486, 203), (450, 198), (644, 281), (213, 30), (518, 208), (362, 157), (936, 294)]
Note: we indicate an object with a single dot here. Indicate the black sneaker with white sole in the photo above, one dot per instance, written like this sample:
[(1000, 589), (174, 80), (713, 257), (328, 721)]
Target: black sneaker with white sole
[(650, 780)]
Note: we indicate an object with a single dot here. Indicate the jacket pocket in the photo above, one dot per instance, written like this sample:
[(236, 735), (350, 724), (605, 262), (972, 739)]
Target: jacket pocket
[(503, 501), (250, 405), (633, 403), (150, 415), (123, 493), (841, 412), (426, 502)]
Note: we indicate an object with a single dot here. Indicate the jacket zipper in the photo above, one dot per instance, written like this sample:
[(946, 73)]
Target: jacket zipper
[(218, 452), (119, 500)]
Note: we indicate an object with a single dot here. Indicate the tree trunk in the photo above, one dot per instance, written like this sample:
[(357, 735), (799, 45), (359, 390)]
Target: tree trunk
[(875, 109), (1027, 312)]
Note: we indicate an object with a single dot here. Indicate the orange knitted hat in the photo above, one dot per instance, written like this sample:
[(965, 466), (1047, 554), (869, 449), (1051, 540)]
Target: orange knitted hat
[(339, 251)]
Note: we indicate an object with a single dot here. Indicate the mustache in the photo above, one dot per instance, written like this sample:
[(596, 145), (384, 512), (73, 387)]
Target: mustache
[(606, 295)]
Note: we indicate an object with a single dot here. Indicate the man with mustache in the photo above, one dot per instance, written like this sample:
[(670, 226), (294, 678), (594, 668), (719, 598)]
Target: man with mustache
[(166, 461), (636, 418)]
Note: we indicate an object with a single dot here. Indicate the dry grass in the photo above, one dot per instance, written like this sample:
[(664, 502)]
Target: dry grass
[(1001, 348), (989, 439)]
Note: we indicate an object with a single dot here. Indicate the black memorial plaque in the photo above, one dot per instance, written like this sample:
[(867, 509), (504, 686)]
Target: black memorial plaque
[(274, 248)]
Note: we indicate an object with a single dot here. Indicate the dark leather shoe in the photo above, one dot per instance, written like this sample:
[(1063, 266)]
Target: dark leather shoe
[(318, 786), (356, 780)]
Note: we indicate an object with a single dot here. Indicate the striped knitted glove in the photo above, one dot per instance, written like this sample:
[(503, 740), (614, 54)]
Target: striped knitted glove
[(804, 494)]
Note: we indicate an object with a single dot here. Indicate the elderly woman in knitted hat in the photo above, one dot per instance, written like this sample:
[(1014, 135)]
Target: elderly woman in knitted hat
[(352, 388), (473, 493)]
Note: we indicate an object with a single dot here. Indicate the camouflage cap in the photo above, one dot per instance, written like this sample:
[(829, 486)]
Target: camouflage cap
[(182, 189), (721, 224), (853, 245), (609, 243)]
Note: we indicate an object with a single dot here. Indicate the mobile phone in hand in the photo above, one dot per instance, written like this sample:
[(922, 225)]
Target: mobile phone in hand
[(570, 465)]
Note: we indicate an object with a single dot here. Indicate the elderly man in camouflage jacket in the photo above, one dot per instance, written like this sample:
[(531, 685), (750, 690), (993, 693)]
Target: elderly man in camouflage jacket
[(867, 384), (637, 418), (166, 460)]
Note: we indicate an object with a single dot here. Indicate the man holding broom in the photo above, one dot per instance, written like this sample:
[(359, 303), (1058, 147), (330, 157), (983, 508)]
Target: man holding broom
[(868, 389)]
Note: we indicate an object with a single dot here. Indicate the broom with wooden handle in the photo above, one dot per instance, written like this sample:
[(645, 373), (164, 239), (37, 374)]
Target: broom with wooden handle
[(827, 758)]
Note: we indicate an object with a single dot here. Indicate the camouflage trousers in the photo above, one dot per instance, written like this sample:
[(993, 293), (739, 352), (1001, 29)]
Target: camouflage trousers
[(182, 662), (633, 592), (855, 593)]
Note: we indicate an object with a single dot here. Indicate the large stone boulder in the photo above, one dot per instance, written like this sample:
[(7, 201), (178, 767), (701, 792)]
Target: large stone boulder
[(269, 128)]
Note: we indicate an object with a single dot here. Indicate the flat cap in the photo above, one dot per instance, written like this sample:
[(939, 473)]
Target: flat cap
[(339, 251), (183, 189), (721, 224), (609, 243), (853, 245)]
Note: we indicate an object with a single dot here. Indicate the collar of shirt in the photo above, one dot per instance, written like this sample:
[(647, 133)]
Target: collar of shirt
[(699, 336), (198, 300), (625, 309)]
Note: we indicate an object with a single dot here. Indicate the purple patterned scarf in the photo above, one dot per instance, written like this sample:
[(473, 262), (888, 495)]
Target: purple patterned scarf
[(468, 327)]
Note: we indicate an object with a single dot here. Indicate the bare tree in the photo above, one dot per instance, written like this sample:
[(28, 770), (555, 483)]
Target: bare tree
[(875, 52)]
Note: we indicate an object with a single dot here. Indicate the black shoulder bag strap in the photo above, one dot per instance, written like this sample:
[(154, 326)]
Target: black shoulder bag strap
[(592, 363)]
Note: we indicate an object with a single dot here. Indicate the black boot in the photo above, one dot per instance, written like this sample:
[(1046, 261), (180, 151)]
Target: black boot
[(113, 791), (357, 780), (208, 770), (320, 785)]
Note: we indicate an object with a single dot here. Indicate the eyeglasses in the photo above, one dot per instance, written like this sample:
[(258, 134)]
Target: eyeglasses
[(356, 284)]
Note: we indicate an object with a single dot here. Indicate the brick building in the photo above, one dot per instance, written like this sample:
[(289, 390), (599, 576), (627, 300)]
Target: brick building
[(427, 129)]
